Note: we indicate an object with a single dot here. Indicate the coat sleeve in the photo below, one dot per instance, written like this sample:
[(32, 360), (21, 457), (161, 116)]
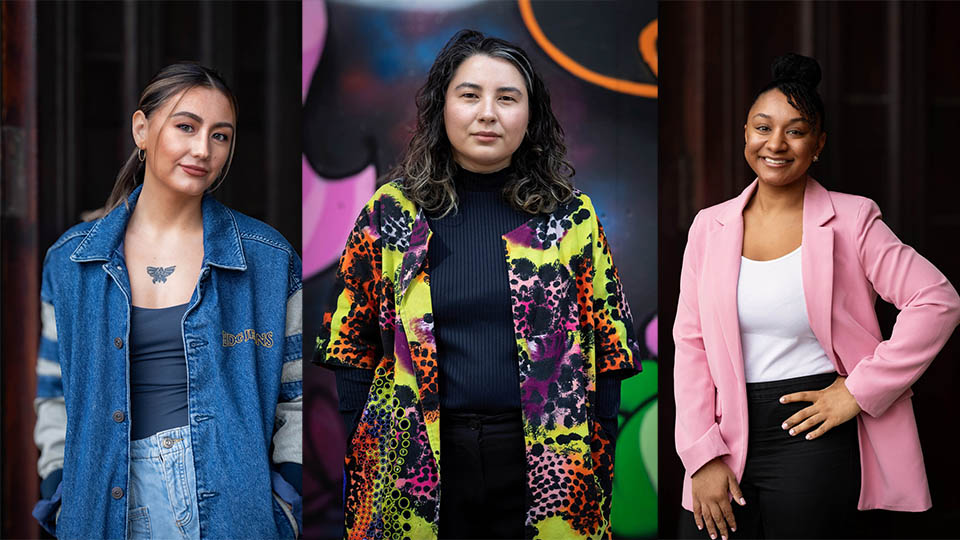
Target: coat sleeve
[(288, 432), (286, 476), (697, 433), (929, 312), (617, 349), (50, 431), (350, 336)]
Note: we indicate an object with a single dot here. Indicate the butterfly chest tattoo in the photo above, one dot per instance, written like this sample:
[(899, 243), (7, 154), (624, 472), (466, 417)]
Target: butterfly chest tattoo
[(160, 273)]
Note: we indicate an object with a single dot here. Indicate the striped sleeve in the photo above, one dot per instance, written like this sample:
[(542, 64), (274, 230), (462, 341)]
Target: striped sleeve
[(288, 435), (50, 430)]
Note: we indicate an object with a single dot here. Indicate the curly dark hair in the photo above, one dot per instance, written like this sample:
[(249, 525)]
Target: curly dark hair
[(542, 173), (797, 76)]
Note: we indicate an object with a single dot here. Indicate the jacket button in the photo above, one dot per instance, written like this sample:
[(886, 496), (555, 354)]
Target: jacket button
[(118, 343), (116, 493), (118, 416)]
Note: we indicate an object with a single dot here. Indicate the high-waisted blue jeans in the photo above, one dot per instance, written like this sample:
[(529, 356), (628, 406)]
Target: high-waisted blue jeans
[(163, 487)]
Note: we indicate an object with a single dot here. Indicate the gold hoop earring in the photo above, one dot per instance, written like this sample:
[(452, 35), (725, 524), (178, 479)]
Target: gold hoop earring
[(816, 158), (141, 155)]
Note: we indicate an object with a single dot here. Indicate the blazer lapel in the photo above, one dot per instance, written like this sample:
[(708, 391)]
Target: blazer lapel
[(723, 274), (817, 265)]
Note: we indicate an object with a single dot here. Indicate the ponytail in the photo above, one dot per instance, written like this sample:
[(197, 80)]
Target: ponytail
[(127, 180)]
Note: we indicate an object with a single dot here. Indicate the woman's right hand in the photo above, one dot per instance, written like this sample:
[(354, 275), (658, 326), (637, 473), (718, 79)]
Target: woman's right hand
[(712, 486)]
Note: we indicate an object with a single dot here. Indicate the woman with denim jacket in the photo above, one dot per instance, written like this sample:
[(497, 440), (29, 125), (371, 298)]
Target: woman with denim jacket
[(480, 333), (169, 391)]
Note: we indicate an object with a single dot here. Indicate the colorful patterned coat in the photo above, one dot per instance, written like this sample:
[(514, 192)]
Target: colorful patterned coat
[(572, 321)]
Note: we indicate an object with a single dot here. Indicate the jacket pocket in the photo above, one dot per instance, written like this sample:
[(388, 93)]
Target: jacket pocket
[(718, 408)]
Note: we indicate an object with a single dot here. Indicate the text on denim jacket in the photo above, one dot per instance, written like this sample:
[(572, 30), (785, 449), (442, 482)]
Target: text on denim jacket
[(263, 339)]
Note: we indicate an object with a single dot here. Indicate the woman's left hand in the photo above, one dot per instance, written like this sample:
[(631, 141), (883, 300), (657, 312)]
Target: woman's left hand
[(831, 407)]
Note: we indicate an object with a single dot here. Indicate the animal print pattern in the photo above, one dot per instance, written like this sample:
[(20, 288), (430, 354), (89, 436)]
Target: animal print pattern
[(571, 322)]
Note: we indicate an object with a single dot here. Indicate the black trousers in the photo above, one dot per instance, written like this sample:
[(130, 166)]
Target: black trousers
[(794, 488), (483, 475)]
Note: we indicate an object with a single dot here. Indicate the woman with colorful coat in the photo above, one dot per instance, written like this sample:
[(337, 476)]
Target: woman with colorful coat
[(480, 331)]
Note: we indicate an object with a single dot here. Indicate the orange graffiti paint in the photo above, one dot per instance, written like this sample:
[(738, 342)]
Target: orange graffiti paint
[(647, 49)]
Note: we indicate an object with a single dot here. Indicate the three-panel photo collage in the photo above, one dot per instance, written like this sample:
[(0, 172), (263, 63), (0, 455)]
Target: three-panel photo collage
[(479, 269)]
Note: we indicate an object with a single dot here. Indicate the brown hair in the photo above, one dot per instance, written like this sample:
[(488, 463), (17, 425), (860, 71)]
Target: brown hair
[(167, 83)]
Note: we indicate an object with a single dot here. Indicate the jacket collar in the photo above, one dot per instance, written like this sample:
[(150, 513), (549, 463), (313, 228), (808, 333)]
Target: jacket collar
[(221, 235), (817, 205)]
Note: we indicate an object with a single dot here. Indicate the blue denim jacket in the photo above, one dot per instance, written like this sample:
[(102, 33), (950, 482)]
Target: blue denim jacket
[(242, 339)]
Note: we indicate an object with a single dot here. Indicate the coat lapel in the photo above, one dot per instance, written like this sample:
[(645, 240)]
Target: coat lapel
[(817, 265), (415, 257), (417, 364), (723, 274)]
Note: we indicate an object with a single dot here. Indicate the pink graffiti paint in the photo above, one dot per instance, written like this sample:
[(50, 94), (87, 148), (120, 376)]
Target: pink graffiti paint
[(314, 32), (330, 206), (329, 211), (650, 336)]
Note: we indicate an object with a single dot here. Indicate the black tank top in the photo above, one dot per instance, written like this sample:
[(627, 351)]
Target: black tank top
[(158, 371)]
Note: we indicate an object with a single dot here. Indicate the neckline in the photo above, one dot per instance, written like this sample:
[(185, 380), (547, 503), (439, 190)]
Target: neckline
[(185, 304), (483, 182), (780, 258)]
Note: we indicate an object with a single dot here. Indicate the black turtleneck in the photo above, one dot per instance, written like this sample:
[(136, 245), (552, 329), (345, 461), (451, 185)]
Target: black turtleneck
[(470, 292), (473, 321)]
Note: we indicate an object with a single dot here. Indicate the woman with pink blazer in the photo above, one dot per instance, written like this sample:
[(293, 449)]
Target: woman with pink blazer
[(788, 399)]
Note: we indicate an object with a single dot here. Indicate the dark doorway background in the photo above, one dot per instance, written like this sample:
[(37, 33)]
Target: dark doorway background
[(892, 95), (72, 74)]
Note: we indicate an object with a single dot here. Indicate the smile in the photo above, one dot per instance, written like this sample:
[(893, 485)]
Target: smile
[(775, 162)]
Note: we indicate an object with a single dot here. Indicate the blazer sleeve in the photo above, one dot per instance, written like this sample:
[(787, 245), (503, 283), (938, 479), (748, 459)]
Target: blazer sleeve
[(617, 349), (350, 336), (697, 433), (929, 312)]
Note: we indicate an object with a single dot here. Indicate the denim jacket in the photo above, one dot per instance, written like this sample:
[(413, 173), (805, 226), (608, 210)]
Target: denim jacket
[(242, 340)]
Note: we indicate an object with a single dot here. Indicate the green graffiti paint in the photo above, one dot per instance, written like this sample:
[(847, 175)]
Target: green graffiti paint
[(634, 508)]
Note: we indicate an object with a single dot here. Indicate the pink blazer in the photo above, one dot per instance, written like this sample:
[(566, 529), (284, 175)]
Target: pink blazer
[(848, 257)]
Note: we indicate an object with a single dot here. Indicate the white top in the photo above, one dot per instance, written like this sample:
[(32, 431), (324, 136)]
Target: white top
[(775, 332)]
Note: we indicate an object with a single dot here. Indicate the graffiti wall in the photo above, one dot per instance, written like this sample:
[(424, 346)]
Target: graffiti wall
[(363, 62)]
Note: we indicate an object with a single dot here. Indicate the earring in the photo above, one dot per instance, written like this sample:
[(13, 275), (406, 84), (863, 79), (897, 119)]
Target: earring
[(816, 158), (141, 155)]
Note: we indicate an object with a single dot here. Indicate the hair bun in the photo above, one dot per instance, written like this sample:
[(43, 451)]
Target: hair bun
[(796, 67)]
